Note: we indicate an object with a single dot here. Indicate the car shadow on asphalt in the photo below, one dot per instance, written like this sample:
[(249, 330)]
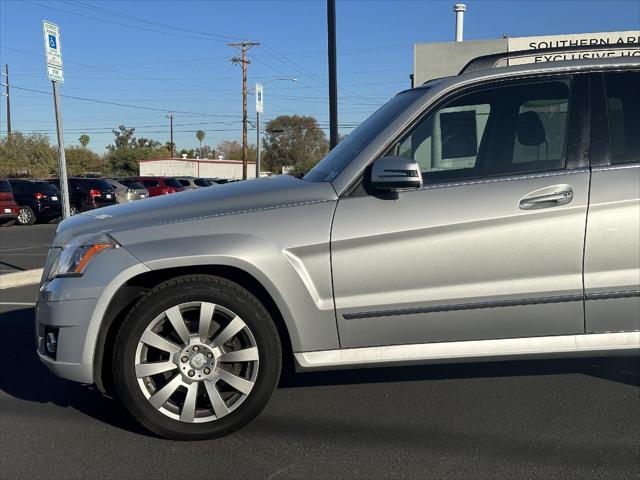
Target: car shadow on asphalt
[(11, 265), (33, 382), (623, 369)]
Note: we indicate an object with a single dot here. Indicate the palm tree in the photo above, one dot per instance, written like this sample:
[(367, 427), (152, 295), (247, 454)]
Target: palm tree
[(200, 136), (84, 140)]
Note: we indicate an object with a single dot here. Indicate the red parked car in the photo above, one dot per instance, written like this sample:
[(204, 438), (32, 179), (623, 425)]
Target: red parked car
[(9, 209), (158, 185)]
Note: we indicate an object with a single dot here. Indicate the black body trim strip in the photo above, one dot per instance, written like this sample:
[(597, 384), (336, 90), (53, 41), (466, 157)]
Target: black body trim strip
[(609, 295), (465, 306), (493, 304)]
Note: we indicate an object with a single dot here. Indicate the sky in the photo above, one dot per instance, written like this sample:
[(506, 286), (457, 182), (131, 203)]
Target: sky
[(133, 62)]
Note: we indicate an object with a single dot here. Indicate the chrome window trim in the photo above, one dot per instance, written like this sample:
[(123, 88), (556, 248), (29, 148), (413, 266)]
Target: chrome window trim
[(506, 178)]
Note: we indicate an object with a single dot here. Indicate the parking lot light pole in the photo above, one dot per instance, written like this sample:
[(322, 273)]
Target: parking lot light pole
[(64, 186)]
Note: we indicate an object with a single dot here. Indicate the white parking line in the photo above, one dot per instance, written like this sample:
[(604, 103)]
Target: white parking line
[(18, 279), (24, 304)]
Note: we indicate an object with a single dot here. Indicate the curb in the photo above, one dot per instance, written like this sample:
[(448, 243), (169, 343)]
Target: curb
[(19, 279)]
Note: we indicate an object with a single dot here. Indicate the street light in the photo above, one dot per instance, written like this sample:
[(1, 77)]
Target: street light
[(259, 103)]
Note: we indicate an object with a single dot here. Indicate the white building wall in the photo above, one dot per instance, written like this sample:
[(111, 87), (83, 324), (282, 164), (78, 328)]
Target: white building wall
[(196, 168)]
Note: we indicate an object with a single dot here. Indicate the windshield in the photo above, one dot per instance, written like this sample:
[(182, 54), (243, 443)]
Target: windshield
[(356, 141)]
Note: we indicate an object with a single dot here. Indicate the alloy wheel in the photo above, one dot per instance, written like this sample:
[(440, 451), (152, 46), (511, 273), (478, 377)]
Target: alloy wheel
[(196, 362), (25, 216)]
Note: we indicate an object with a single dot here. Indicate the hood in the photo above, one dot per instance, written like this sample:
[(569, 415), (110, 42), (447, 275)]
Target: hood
[(228, 199)]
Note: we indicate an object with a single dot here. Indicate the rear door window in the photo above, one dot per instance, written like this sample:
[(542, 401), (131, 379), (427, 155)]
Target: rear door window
[(42, 187), (134, 185), (97, 185), (623, 105), (4, 186), (151, 183)]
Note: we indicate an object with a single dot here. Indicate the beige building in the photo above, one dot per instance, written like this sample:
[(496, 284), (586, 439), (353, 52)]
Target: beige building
[(434, 60)]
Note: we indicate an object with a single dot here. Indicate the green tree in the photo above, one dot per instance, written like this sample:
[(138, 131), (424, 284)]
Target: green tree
[(207, 152), (81, 160), (295, 141), (84, 140), (232, 150), (170, 148), (27, 155), (126, 152), (200, 134), (125, 138)]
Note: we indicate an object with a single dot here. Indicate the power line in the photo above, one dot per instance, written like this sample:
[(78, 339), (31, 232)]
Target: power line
[(151, 22), (140, 107), (137, 27)]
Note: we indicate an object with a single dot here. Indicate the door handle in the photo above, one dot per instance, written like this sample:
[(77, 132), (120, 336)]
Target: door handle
[(547, 197)]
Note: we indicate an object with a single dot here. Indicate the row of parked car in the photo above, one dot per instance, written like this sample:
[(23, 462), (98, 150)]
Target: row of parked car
[(26, 201)]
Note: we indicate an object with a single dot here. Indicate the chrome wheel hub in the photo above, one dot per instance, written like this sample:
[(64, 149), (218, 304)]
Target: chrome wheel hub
[(196, 362)]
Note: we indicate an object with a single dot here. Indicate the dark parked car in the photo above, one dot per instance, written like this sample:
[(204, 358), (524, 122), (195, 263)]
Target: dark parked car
[(8, 207), (88, 193), (158, 185), (38, 200)]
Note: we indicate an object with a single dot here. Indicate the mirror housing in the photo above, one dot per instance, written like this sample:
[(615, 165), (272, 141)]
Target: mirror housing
[(395, 174)]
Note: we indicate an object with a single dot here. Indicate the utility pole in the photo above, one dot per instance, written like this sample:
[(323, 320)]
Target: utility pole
[(6, 85), (170, 117), (333, 79), (243, 61)]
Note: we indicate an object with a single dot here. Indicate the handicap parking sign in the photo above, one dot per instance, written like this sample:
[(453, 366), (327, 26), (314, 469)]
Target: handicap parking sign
[(52, 41)]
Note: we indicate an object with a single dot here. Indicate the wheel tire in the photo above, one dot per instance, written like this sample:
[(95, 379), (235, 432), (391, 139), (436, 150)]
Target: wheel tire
[(187, 290), (74, 210), (26, 216)]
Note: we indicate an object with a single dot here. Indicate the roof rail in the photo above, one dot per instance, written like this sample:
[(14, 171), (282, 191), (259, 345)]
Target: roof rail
[(493, 60)]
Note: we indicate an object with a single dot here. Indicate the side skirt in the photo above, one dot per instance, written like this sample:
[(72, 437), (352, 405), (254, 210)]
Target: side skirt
[(570, 345)]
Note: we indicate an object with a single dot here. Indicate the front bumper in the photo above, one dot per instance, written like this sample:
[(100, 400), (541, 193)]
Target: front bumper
[(73, 309), (69, 320)]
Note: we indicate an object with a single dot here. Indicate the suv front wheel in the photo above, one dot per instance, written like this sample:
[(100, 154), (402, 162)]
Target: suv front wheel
[(197, 357)]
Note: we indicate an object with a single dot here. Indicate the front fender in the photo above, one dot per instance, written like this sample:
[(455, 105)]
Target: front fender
[(285, 249)]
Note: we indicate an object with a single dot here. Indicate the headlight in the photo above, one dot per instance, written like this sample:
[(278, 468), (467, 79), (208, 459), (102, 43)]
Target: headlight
[(78, 252)]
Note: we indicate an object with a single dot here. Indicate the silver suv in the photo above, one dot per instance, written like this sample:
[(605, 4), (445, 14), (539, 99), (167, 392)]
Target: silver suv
[(490, 215)]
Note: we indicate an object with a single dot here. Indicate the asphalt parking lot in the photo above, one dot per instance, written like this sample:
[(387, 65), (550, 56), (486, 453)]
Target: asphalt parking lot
[(24, 248), (528, 419)]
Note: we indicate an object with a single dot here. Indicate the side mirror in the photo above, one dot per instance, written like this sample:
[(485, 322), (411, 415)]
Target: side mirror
[(395, 173)]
